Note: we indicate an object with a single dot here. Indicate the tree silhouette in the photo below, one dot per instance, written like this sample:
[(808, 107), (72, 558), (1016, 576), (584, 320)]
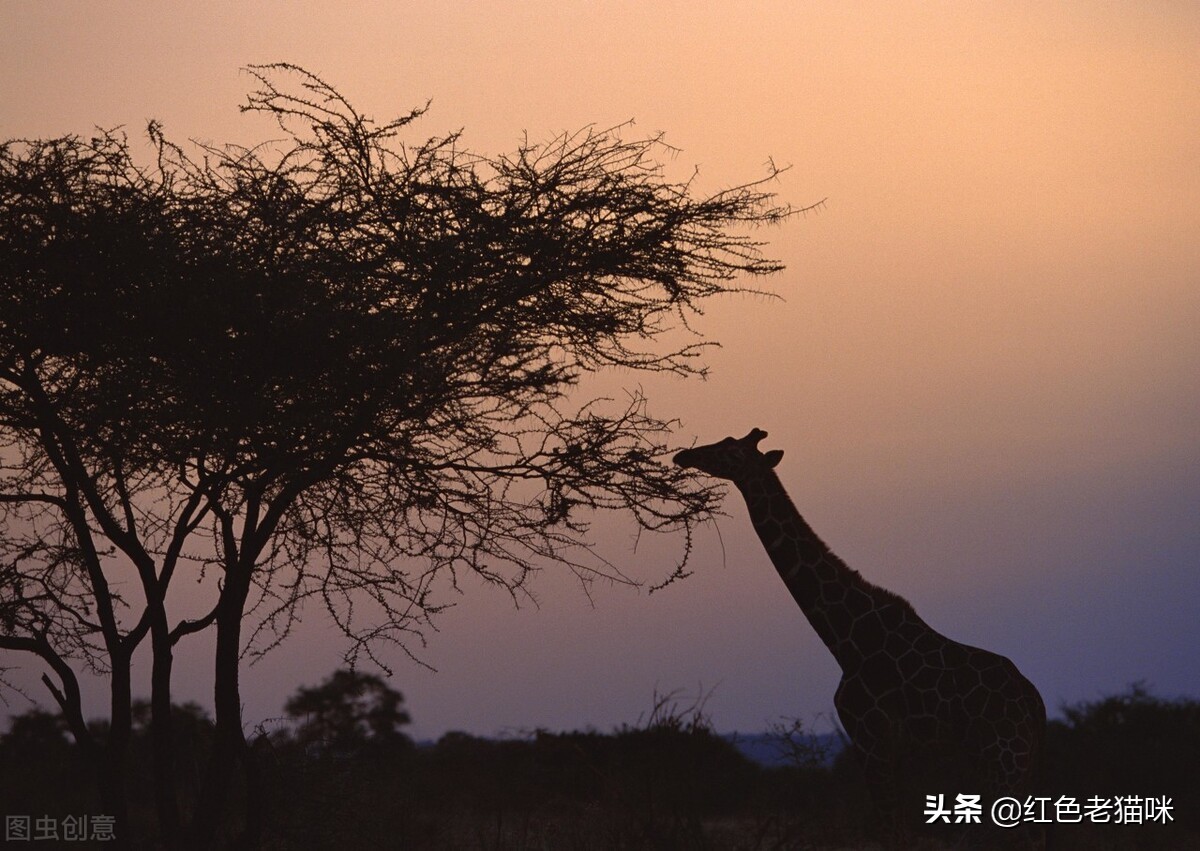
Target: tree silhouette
[(1134, 739), (340, 367), (35, 731), (348, 711)]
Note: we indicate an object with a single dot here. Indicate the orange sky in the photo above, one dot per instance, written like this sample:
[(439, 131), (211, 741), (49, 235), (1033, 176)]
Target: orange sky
[(983, 371)]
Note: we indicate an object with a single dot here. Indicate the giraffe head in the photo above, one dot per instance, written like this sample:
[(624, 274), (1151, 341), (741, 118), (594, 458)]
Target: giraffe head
[(735, 459)]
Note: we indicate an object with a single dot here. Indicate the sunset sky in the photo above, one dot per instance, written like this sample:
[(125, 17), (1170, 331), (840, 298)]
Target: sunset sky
[(984, 367)]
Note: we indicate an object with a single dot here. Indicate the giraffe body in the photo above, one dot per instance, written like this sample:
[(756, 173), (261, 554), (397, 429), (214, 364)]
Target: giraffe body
[(909, 696)]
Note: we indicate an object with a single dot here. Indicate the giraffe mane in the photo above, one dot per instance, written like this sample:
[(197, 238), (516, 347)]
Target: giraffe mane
[(861, 581)]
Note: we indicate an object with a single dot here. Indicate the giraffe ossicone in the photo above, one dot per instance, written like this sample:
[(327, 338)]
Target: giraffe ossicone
[(907, 691)]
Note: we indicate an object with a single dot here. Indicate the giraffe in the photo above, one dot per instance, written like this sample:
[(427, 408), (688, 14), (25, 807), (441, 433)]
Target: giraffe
[(907, 692)]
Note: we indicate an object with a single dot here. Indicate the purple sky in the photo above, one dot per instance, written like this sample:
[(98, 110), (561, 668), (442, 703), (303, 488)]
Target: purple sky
[(983, 372)]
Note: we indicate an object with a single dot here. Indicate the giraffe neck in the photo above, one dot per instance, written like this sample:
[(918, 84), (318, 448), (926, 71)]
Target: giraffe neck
[(832, 596)]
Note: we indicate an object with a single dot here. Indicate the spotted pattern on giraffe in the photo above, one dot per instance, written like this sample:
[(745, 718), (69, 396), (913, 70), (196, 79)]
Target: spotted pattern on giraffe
[(905, 687)]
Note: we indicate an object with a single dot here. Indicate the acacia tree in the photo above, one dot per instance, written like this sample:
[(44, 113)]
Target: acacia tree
[(338, 367), (348, 711)]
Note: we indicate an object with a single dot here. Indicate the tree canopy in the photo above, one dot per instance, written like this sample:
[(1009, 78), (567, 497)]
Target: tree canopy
[(340, 366), (347, 711)]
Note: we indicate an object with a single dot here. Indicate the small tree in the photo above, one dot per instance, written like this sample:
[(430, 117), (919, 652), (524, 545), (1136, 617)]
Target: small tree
[(35, 730), (348, 711), (40, 765), (339, 367), (1134, 739)]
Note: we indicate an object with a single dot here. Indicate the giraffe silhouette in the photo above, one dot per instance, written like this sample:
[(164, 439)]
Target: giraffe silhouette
[(913, 701)]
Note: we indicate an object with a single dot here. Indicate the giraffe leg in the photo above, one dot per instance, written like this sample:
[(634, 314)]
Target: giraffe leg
[(1008, 766), (883, 784), (1019, 779), (878, 756)]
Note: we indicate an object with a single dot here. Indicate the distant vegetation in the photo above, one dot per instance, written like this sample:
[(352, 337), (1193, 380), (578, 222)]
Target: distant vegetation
[(340, 773)]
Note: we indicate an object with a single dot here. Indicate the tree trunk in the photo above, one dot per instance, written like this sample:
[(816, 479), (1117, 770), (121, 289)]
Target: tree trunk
[(111, 765), (106, 758), (229, 743), (162, 741)]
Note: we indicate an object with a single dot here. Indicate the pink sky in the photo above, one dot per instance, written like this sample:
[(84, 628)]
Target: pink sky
[(983, 370)]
